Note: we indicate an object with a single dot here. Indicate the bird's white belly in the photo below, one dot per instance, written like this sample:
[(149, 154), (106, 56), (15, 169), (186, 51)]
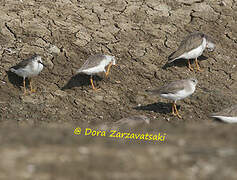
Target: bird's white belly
[(227, 119), (94, 70), (177, 96), (97, 69), (29, 71), (193, 54)]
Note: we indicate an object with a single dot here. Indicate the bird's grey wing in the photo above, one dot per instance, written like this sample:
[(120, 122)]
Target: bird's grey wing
[(92, 61), (122, 121), (172, 88), (231, 112), (22, 64), (189, 43), (128, 122)]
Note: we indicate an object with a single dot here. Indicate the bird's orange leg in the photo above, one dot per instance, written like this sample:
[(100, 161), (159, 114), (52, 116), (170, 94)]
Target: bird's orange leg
[(198, 67), (92, 83), (176, 111), (107, 72), (189, 66), (31, 87), (173, 110), (24, 85)]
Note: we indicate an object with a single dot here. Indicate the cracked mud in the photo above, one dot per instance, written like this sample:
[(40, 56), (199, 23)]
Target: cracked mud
[(141, 34)]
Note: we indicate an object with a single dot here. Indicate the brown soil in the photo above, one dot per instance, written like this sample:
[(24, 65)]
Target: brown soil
[(36, 130)]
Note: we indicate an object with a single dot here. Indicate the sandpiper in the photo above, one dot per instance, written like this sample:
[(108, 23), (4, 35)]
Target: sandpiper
[(176, 90), (228, 115), (192, 47), (29, 68), (96, 64)]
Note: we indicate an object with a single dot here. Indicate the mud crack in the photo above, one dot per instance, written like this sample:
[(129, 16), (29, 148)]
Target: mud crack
[(10, 30)]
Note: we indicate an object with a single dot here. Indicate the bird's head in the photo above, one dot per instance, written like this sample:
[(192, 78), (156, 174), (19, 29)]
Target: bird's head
[(194, 81), (210, 44), (38, 59), (113, 60)]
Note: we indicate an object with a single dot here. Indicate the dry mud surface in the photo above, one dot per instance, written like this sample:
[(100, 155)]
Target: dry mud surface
[(36, 130)]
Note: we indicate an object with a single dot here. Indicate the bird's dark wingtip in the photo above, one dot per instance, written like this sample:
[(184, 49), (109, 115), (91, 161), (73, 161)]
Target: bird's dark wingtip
[(151, 91), (148, 91), (170, 60), (170, 57)]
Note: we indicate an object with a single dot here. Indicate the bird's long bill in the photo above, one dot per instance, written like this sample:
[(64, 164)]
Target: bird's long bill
[(210, 49), (119, 68), (43, 64)]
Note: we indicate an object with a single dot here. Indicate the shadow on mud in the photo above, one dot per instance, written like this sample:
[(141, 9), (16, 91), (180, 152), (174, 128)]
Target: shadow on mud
[(16, 80), (158, 107), (81, 80)]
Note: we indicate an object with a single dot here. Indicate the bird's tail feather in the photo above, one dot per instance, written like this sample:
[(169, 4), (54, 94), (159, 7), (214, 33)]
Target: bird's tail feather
[(79, 71), (153, 91), (13, 70)]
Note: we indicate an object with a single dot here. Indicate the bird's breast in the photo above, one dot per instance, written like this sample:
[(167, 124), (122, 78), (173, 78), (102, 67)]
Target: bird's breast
[(36, 69)]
